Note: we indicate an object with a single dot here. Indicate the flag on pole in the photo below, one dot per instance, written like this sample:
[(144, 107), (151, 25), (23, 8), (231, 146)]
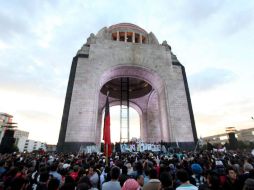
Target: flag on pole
[(106, 130)]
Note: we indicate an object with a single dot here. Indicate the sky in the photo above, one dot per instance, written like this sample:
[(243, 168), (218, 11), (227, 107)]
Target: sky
[(213, 39)]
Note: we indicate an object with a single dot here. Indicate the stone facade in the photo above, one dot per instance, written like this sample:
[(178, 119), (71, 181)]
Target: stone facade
[(165, 113)]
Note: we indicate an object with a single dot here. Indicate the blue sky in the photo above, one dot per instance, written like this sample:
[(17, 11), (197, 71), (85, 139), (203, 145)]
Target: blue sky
[(212, 39)]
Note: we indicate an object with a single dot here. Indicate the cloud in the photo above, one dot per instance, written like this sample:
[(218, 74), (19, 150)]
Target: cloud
[(11, 26), (210, 78), (237, 19)]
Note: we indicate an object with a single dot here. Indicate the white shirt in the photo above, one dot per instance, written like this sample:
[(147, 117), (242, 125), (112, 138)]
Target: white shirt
[(187, 187)]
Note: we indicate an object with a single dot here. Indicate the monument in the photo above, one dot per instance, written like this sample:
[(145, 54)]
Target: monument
[(125, 59)]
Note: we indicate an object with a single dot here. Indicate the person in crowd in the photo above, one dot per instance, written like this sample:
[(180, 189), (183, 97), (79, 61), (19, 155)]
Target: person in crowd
[(154, 182), (69, 184), (105, 175), (146, 176), (131, 172), (82, 186), (185, 184), (53, 184), (93, 176), (53, 172), (43, 180), (75, 172), (197, 177), (130, 184), (85, 180), (231, 182), (2, 168), (212, 182), (140, 180), (123, 176), (9, 176), (166, 181), (248, 184), (247, 167), (113, 184)]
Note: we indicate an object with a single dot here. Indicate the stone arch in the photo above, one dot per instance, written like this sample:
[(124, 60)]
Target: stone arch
[(134, 71), (151, 123)]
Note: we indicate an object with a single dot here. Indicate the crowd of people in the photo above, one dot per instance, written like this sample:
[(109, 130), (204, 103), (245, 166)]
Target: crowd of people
[(204, 170)]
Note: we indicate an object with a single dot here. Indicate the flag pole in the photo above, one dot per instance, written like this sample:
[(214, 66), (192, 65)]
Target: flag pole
[(107, 159), (107, 155)]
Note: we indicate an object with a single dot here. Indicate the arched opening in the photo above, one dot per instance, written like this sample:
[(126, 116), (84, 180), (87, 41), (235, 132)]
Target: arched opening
[(148, 102), (115, 125)]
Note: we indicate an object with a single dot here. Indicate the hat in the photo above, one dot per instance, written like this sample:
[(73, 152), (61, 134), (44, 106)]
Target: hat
[(130, 184), (196, 169)]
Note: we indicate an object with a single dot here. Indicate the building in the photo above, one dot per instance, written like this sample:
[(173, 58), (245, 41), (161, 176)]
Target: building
[(245, 135), (51, 147), (4, 120), (20, 139), (31, 145), (137, 71)]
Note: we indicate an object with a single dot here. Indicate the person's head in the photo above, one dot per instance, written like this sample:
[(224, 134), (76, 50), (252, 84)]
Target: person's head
[(247, 167), (53, 184), (115, 173), (86, 180), (213, 180), (153, 174), (231, 173), (130, 184), (67, 186), (2, 162), (166, 179), (69, 179), (18, 183), (196, 169), (91, 170), (44, 176), (107, 169), (140, 180), (83, 186), (76, 168), (248, 184), (54, 167), (124, 170), (182, 176)]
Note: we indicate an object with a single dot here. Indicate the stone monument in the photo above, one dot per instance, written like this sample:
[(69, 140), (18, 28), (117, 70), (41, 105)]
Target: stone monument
[(158, 88)]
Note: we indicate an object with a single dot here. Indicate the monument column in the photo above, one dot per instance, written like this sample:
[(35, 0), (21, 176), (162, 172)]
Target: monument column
[(125, 36), (117, 36)]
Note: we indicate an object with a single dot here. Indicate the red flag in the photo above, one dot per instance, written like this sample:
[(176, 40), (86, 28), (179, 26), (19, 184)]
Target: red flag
[(106, 130)]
